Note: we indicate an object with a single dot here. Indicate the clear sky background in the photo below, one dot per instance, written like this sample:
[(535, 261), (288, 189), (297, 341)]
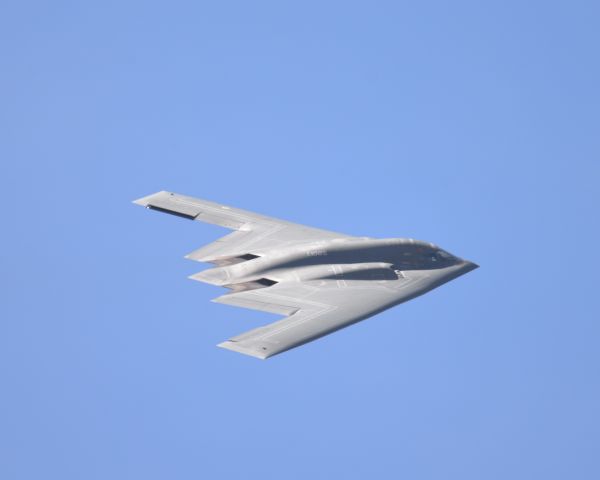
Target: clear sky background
[(474, 125)]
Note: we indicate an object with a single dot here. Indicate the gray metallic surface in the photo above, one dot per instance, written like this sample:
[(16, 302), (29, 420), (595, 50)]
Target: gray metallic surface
[(320, 280)]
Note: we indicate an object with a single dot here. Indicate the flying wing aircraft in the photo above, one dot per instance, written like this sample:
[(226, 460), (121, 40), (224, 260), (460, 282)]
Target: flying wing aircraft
[(319, 280)]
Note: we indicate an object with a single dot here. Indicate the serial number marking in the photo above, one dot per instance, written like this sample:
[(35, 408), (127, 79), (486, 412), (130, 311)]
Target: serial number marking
[(316, 253)]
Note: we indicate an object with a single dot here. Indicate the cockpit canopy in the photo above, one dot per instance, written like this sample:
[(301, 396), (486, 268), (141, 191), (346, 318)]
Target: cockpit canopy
[(442, 255), (423, 257)]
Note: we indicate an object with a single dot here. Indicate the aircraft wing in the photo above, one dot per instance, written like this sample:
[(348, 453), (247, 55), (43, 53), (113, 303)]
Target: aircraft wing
[(314, 309), (253, 233)]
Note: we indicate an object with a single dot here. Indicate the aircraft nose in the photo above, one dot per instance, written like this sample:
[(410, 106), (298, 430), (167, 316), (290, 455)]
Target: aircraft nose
[(468, 266)]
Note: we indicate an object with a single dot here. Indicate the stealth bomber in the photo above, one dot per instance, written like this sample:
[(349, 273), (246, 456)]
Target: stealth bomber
[(321, 281)]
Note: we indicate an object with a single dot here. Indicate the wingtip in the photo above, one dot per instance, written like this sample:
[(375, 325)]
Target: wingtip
[(236, 347), (144, 201)]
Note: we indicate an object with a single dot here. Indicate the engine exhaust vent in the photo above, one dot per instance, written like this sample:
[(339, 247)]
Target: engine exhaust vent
[(253, 285)]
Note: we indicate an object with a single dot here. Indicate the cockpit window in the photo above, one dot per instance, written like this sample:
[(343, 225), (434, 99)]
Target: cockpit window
[(423, 258)]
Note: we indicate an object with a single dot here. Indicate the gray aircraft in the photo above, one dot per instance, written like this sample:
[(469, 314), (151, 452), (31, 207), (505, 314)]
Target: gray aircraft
[(320, 280)]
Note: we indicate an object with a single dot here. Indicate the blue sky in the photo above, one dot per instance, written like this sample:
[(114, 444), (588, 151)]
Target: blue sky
[(473, 125)]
